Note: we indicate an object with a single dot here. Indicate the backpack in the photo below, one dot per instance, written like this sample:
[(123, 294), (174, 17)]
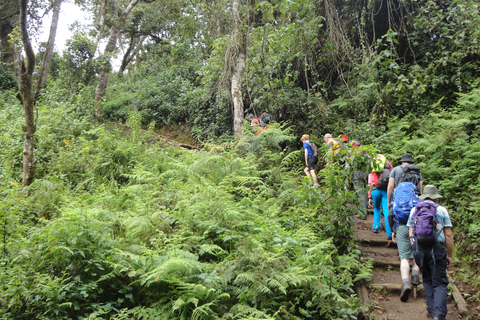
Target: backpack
[(265, 119), (383, 177), (379, 163), (314, 148), (411, 173), (405, 197), (424, 223)]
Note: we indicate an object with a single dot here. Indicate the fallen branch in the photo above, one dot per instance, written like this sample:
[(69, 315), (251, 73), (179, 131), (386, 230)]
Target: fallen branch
[(457, 296)]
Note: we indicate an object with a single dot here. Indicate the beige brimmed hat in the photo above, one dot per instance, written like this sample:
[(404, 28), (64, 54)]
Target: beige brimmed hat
[(431, 192)]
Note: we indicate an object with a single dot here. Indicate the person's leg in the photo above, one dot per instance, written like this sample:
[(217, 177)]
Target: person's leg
[(310, 169), (426, 269), (439, 281), (314, 176), (405, 254), (384, 199), (307, 171), (377, 208), (405, 269)]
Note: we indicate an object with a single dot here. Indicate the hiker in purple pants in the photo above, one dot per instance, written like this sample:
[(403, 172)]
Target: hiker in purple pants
[(433, 258)]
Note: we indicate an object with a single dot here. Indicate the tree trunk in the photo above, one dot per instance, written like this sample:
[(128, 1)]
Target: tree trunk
[(26, 94), (42, 78), (101, 23), (107, 67), (131, 52), (8, 18), (239, 67)]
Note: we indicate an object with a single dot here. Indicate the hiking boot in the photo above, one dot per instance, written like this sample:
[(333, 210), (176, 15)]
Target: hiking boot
[(405, 292), (415, 281), (375, 230)]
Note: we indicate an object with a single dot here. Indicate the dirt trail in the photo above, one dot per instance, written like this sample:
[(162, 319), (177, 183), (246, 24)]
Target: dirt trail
[(381, 295)]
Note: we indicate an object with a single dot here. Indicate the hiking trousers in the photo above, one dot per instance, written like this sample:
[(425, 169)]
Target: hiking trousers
[(432, 260), (380, 202)]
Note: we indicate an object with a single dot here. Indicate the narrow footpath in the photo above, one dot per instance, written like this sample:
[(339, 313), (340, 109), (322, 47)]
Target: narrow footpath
[(381, 295)]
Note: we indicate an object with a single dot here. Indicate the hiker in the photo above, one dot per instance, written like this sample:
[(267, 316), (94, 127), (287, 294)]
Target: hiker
[(311, 158), (333, 147), (260, 123), (377, 193), (432, 248), (255, 124), (264, 119), (404, 183), (360, 178)]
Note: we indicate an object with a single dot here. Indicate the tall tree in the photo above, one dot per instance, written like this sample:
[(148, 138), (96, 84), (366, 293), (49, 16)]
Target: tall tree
[(42, 77), (239, 63), (25, 85), (109, 50), (8, 20)]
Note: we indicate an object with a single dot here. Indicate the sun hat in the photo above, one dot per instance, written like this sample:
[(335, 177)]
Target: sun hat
[(406, 157), (254, 122), (430, 191)]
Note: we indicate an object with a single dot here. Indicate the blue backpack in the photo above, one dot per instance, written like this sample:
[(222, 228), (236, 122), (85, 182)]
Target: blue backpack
[(424, 223), (405, 198)]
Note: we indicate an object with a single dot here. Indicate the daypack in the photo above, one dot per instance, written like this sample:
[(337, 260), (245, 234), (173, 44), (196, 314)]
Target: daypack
[(383, 177), (424, 223), (314, 148), (265, 119), (379, 163), (411, 173), (405, 197)]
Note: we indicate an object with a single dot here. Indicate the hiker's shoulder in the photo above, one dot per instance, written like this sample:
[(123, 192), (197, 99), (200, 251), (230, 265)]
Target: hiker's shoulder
[(397, 170)]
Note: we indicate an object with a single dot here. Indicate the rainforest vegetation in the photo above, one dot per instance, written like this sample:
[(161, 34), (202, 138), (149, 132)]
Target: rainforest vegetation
[(103, 218)]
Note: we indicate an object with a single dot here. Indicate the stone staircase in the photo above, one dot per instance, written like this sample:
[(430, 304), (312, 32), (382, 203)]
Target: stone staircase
[(380, 296)]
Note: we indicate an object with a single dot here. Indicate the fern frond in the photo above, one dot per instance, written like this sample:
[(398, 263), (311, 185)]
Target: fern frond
[(276, 285), (244, 279)]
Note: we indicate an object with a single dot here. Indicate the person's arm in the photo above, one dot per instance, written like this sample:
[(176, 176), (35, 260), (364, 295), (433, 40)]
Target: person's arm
[(420, 186), (449, 244), (306, 157), (369, 185), (391, 186)]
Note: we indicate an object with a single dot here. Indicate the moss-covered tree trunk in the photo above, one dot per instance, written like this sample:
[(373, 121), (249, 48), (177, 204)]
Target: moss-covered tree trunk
[(26, 94)]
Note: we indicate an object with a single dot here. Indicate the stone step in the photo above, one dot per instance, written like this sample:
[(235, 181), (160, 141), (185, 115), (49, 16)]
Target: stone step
[(367, 237)]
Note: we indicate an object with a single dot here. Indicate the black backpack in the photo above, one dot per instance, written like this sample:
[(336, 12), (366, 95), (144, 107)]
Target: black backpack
[(265, 119), (411, 173), (383, 178)]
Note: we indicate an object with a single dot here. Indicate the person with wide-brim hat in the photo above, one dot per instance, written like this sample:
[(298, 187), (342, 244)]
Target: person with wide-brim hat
[(406, 157), (434, 258), (430, 192)]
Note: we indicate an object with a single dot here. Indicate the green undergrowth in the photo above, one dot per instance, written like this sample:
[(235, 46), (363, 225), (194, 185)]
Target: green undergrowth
[(117, 227)]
